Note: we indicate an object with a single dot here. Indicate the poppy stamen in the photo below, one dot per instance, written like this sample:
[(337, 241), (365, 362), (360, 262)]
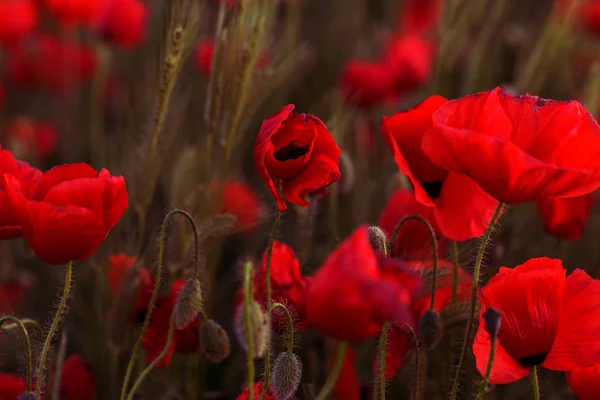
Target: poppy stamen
[(433, 189), (290, 152), (532, 360)]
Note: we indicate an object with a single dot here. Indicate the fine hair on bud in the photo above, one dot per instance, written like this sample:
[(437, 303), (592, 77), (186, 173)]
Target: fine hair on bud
[(378, 239), (260, 332), (27, 396), (214, 341), (189, 303), (287, 372), (431, 329), (492, 318)]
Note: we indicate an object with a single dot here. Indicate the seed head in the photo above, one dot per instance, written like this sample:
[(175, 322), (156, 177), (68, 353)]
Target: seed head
[(260, 332), (287, 372), (492, 318), (214, 342), (430, 329), (189, 303)]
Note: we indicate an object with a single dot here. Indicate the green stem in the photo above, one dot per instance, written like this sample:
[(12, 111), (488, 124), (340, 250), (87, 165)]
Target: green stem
[(249, 331), (455, 269), (21, 326), (153, 364), (53, 328), (335, 371), (381, 385), (417, 349), (535, 383), (158, 280), (488, 371), (473, 299), (289, 322), (60, 359)]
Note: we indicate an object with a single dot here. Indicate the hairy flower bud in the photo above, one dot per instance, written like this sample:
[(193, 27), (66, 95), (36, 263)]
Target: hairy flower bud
[(260, 332), (430, 329), (378, 239), (214, 342), (27, 396), (287, 371), (492, 318), (189, 303)]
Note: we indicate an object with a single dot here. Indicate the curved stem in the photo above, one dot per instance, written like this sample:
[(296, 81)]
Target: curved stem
[(21, 326), (535, 383), (455, 267), (249, 331), (434, 244), (473, 299), (53, 328), (274, 230), (157, 284), (153, 364), (335, 371), (289, 322), (488, 371)]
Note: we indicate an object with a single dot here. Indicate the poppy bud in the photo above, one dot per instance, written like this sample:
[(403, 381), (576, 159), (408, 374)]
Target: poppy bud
[(189, 303), (348, 174), (214, 342), (430, 329), (378, 239), (260, 332), (27, 396), (287, 371), (492, 318)]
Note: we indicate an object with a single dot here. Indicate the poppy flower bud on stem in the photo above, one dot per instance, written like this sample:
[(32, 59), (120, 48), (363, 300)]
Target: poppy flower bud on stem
[(258, 321), (189, 303), (491, 318), (430, 329), (378, 239), (289, 322), (18, 323), (214, 341), (287, 372)]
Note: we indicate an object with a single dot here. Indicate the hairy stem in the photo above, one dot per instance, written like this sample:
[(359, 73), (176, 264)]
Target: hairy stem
[(53, 328), (335, 372), (249, 330), (488, 371), (289, 322), (535, 384), (379, 393), (455, 269), (21, 326), (60, 359)]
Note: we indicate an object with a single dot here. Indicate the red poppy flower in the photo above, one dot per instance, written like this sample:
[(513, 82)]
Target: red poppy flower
[(29, 139), (13, 292), (566, 218), (419, 15), (357, 290), (585, 382), (410, 58), (67, 213), (184, 340), (17, 19), (531, 147), (11, 386), (347, 387), (123, 22), (547, 320), (367, 84), (243, 202), (120, 267), (258, 387), (298, 150), (54, 65), (10, 227), (461, 209), (71, 13), (78, 381)]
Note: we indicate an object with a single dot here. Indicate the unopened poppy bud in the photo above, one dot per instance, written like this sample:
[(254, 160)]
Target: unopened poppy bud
[(27, 396), (189, 303), (492, 318), (287, 371), (378, 239), (430, 329), (260, 334), (214, 342), (348, 174)]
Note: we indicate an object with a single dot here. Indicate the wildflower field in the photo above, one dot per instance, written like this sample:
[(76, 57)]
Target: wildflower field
[(299, 199)]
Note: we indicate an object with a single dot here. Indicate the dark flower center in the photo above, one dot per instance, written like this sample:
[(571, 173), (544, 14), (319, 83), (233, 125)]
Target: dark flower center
[(433, 189), (534, 359), (290, 152)]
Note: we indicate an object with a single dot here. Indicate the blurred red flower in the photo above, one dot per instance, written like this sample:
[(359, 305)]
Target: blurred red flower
[(566, 218), (461, 209), (54, 65), (547, 320), (29, 139), (119, 269), (419, 15), (585, 382), (18, 18), (10, 227), (243, 202), (356, 290), (531, 147), (123, 22), (71, 13), (367, 83), (298, 150), (205, 51), (11, 386), (347, 387), (78, 381), (258, 387), (184, 340), (67, 213), (13, 291)]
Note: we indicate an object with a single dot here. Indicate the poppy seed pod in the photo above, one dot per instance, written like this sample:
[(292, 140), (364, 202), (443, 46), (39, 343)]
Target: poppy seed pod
[(189, 303), (430, 329), (214, 341), (492, 318), (378, 239), (260, 332), (287, 371), (27, 396)]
